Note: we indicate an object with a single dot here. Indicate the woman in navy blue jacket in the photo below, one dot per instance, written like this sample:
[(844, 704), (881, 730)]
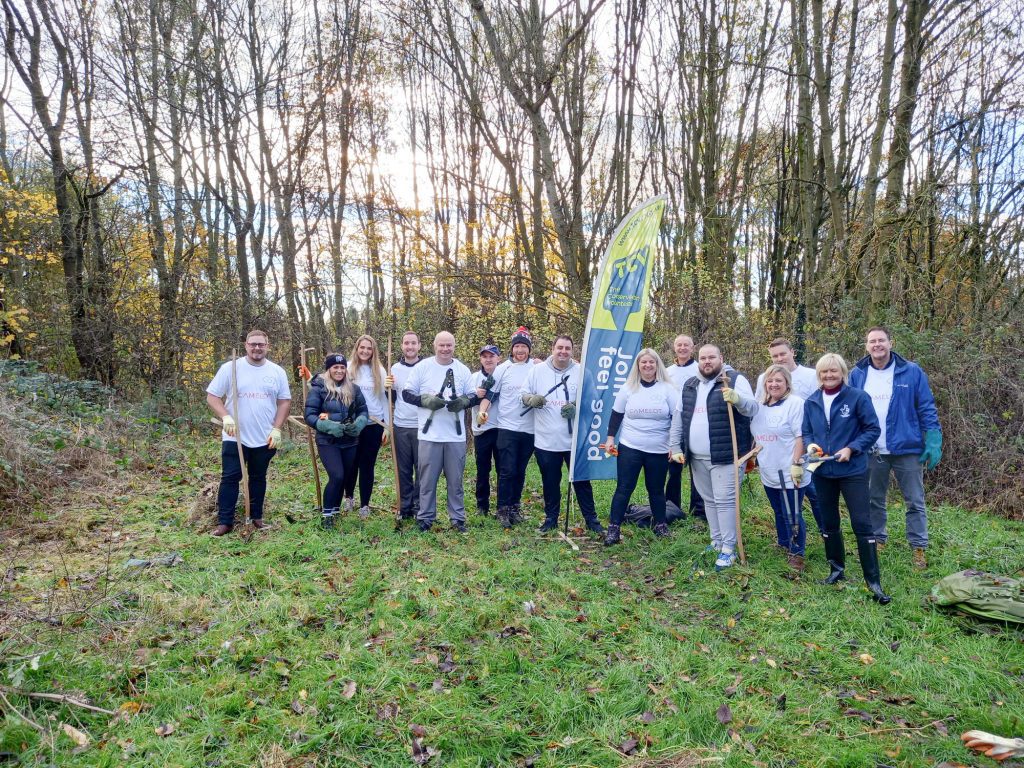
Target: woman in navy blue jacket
[(337, 410), (842, 422)]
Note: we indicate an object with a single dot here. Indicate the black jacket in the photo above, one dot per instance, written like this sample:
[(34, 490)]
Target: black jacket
[(718, 420), (318, 401)]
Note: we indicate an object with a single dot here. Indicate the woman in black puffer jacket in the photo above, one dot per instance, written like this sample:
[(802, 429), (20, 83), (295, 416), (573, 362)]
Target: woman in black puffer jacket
[(337, 410)]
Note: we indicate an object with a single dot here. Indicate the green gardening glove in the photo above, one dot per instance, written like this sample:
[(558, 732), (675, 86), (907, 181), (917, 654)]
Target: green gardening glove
[(354, 427), (457, 404), (932, 449), (569, 411), (433, 402), (488, 382), (534, 401), (332, 428)]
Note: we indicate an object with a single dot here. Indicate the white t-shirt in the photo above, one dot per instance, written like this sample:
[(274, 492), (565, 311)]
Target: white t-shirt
[(878, 385), (776, 428), (376, 405), (509, 379), (680, 374), (427, 379), (475, 381), (405, 413), (805, 382), (699, 442), (826, 401), (551, 428), (647, 416), (259, 389)]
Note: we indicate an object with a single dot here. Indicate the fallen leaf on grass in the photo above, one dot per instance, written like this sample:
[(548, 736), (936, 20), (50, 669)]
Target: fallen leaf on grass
[(628, 747), (349, 690), (437, 686), (164, 730), (421, 754), (780, 702), (297, 707), (417, 730), (866, 658), (647, 717), (724, 714), (388, 712), (865, 716), (81, 739)]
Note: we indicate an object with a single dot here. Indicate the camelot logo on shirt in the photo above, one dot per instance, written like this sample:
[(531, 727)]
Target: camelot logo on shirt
[(845, 411)]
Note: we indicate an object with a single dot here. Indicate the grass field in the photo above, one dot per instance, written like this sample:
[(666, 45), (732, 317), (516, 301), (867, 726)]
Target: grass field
[(363, 646)]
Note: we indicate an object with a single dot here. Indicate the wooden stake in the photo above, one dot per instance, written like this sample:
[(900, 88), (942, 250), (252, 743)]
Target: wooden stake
[(391, 440), (309, 431)]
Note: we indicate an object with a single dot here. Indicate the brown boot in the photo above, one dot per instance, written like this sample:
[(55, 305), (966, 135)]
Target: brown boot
[(221, 530), (920, 561), (257, 522), (796, 562)]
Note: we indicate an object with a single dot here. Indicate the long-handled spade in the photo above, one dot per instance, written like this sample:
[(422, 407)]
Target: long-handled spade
[(792, 510), (735, 473), (247, 529)]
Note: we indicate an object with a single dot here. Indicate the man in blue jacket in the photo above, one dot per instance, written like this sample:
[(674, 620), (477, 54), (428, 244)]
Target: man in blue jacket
[(911, 436)]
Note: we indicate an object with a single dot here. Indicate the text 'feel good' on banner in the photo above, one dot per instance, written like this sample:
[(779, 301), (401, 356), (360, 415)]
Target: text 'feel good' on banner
[(615, 333)]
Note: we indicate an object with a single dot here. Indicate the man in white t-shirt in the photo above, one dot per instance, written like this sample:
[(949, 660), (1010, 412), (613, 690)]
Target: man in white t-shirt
[(440, 387), (264, 399), (682, 370), (804, 384), (406, 427)]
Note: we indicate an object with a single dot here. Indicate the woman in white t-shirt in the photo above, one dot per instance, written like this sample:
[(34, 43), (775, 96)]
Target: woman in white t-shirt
[(777, 426), (643, 409), (368, 374)]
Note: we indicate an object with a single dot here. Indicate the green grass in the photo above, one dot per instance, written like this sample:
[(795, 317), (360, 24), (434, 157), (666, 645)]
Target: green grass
[(249, 649)]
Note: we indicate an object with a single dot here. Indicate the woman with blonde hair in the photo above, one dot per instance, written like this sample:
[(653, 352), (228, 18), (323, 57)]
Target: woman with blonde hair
[(776, 423), (841, 422), (337, 410), (643, 409), (368, 375)]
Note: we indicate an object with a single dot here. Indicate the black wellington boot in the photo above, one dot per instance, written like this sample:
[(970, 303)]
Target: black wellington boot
[(835, 552), (869, 564)]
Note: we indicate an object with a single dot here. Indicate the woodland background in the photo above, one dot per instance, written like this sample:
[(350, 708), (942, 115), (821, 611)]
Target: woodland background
[(174, 172)]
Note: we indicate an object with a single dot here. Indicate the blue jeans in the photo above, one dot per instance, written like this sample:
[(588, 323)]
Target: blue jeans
[(514, 450), (910, 477), (628, 466), (257, 461), (783, 524), (550, 464)]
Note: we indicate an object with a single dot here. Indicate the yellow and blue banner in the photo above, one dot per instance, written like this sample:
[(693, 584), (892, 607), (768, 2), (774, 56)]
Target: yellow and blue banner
[(615, 334)]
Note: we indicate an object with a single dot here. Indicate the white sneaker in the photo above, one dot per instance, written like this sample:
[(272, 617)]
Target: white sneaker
[(725, 560), (364, 513), (349, 504)]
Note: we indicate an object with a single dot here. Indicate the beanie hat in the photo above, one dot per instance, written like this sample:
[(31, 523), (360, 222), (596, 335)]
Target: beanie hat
[(521, 336), (335, 359)]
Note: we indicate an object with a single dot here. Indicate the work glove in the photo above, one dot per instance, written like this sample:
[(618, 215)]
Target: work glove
[(534, 401), (433, 402), (384, 438), (332, 428), (305, 373), (353, 428), (274, 439), (229, 426), (568, 411), (389, 381), (679, 458), (481, 417), (458, 404), (797, 473), (932, 449), (488, 382), (730, 395)]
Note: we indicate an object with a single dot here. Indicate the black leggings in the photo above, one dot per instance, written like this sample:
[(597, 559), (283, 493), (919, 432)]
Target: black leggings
[(366, 458), (854, 489), (340, 463), (629, 464)]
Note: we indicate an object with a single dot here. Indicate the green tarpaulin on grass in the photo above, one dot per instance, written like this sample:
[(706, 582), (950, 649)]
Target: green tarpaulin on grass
[(998, 598)]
